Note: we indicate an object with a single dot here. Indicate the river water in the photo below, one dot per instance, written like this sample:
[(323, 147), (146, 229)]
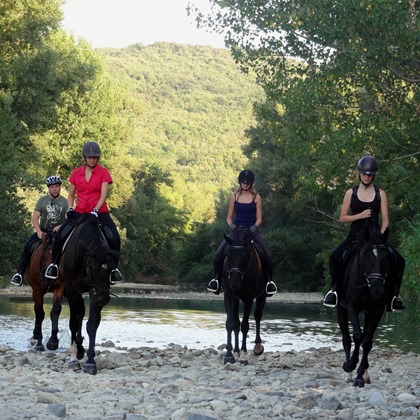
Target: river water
[(145, 322)]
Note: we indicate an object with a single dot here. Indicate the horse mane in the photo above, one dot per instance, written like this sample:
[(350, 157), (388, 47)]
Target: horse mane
[(239, 238)]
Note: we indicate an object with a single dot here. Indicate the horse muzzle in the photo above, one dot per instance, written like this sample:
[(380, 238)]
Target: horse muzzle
[(376, 284), (235, 277)]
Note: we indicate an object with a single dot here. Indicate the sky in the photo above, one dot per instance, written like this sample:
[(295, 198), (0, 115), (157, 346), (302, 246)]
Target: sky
[(119, 23)]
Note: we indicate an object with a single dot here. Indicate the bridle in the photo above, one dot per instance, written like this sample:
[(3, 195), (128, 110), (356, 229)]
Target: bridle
[(236, 269), (372, 278)]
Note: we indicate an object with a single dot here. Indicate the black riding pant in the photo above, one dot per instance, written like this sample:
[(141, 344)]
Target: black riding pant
[(25, 255)]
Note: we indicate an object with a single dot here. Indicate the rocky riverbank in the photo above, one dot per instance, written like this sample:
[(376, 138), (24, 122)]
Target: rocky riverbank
[(182, 384), (178, 383)]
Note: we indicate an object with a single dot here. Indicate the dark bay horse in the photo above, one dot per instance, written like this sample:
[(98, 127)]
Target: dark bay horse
[(242, 280), (85, 267), (34, 277), (368, 285)]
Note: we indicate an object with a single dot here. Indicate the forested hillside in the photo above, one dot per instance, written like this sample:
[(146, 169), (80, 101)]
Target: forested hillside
[(194, 107)]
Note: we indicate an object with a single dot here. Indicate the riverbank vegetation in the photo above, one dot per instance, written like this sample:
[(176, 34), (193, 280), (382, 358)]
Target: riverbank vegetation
[(176, 123)]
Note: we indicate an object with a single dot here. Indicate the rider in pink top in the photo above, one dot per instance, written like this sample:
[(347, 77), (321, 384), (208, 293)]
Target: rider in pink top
[(89, 188), (89, 192)]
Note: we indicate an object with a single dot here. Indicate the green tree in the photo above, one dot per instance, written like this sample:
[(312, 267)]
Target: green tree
[(341, 80)]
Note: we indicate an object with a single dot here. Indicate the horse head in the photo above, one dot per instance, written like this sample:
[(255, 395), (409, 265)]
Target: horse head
[(239, 258), (100, 263), (375, 262)]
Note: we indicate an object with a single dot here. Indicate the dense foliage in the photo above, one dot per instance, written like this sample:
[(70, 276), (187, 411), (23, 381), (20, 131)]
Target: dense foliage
[(341, 81), (335, 80)]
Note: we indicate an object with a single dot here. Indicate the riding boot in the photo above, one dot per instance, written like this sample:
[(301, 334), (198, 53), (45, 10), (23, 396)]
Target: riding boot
[(270, 286), (17, 278), (214, 284), (331, 298), (398, 263), (51, 272)]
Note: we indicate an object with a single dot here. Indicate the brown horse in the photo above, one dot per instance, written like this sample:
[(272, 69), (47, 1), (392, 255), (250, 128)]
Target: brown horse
[(34, 277)]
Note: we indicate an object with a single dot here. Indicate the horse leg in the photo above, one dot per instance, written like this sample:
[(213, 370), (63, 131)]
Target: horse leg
[(343, 322), (38, 298), (77, 312), (358, 337), (371, 323), (39, 318), (97, 302), (258, 347), (244, 330), (232, 324), (53, 341)]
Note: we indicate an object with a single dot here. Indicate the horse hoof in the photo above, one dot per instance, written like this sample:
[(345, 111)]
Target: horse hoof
[(360, 383), (90, 368), (39, 347), (74, 365), (80, 354), (52, 346), (258, 349), (229, 359), (346, 368)]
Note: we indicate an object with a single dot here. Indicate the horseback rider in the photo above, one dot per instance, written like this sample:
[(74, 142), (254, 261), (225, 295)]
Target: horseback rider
[(90, 184), (246, 204), (49, 213), (365, 200)]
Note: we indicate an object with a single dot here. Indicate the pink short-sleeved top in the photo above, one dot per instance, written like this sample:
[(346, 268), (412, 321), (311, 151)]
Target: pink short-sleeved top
[(89, 192)]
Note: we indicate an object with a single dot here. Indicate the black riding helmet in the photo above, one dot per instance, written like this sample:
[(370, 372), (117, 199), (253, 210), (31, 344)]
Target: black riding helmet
[(367, 165), (91, 149), (246, 176)]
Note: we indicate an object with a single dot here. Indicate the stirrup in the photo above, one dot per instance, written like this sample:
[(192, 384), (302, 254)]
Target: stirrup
[(397, 298), (326, 303), (115, 276), (213, 286), (17, 279), (273, 285), (51, 272)]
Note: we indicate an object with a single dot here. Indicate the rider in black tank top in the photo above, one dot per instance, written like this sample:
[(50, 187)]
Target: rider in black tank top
[(358, 212)]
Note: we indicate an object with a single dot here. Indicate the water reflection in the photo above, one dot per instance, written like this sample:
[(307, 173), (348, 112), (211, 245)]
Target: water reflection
[(199, 324)]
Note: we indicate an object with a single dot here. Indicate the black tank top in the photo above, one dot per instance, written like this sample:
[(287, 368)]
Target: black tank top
[(358, 206)]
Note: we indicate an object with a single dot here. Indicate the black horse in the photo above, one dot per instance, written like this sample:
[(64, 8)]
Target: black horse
[(242, 280), (85, 267), (34, 277), (368, 285)]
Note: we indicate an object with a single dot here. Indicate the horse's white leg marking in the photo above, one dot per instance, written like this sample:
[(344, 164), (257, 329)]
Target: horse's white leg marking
[(243, 359), (73, 352), (366, 377)]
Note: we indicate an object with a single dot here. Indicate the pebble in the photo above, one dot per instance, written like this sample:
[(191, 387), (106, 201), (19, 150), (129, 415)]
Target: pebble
[(178, 383)]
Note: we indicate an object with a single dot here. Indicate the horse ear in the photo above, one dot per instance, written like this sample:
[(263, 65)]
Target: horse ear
[(227, 239), (385, 235)]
